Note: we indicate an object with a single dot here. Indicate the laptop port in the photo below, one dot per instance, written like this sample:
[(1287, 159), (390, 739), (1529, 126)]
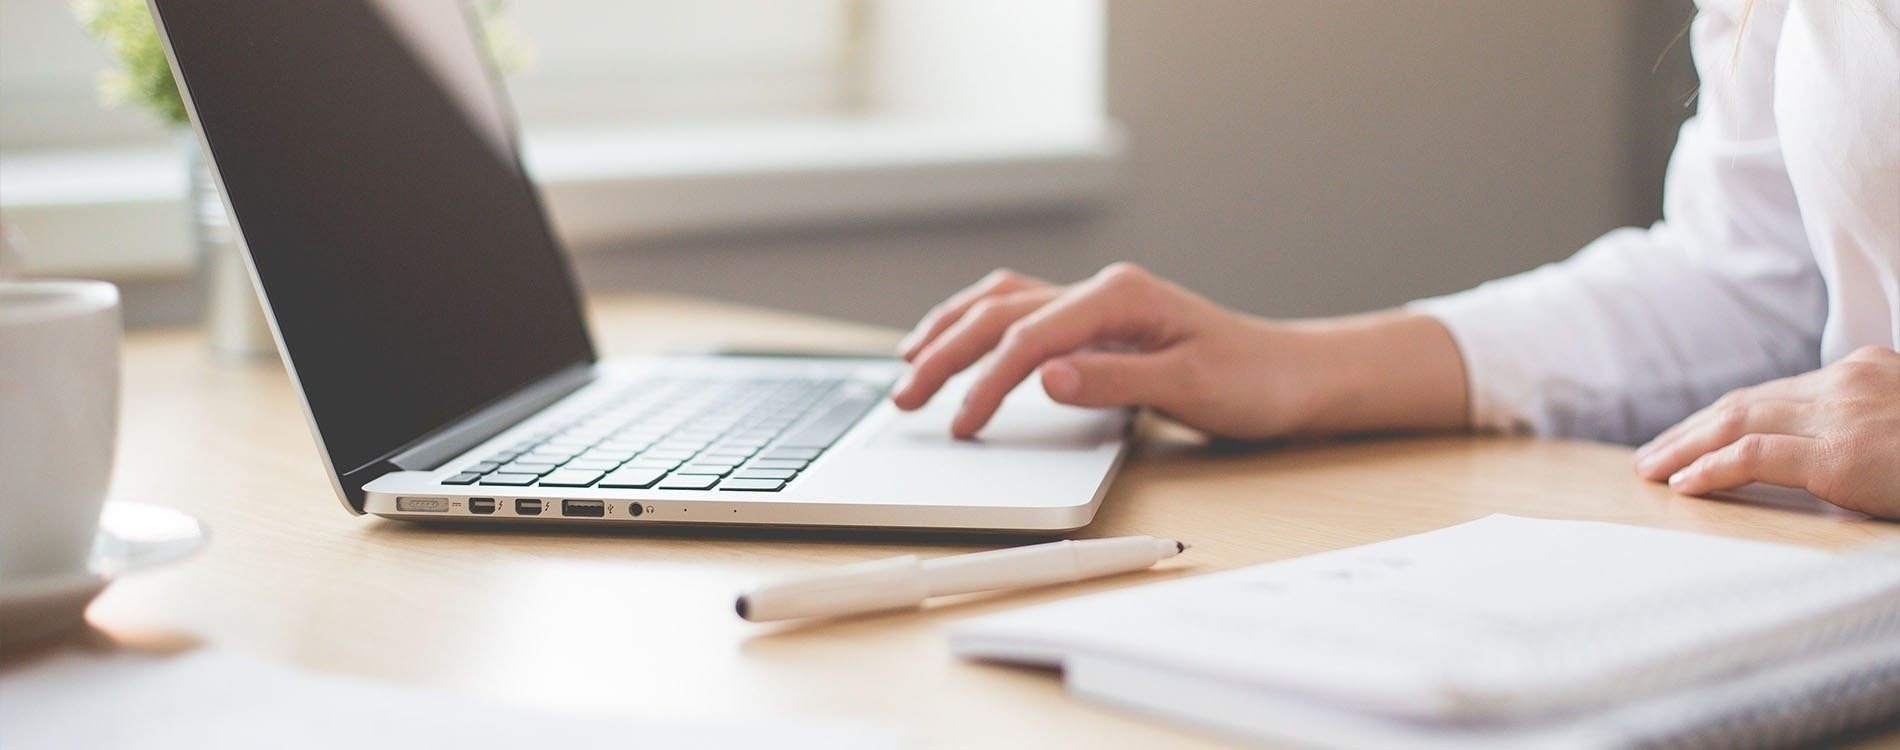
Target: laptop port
[(586, 508), (526, 507), (422, 504), (635, 509), (481, 506)]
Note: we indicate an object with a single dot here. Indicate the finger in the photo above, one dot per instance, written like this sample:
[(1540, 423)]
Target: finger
[(1100, 379), (1804, 387), (965, 342), (941, 317), (1786, 460), (1114, 301), (1723, 426)]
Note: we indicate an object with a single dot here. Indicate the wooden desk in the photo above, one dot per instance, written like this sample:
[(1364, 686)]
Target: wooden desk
[(642, 624)]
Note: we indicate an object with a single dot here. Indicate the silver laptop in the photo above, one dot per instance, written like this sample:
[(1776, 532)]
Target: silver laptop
[(427, 314)]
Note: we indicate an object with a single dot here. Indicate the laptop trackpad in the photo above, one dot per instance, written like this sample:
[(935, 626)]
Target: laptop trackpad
[(1028, 420)]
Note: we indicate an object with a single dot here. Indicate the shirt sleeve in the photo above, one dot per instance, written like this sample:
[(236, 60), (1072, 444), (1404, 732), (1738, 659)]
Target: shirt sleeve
[(1644, 326)]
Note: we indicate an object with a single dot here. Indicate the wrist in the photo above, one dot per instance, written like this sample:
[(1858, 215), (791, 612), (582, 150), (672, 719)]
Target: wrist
[(1390, 371)]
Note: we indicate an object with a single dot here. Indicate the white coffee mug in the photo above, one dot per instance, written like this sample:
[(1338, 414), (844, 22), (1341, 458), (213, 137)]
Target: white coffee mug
[(59, 413)]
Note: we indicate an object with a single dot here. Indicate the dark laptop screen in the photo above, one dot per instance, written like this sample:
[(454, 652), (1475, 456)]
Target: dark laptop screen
[(369, 158)]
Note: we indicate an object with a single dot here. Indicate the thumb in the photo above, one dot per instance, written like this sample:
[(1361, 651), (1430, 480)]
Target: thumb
[(1109, 378)]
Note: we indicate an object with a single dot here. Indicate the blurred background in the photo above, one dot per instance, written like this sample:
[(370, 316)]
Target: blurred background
[(863, 158)]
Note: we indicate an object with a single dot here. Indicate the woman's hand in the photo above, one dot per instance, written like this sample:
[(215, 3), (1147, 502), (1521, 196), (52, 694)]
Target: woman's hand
[(1128, 338), (1834, 432)]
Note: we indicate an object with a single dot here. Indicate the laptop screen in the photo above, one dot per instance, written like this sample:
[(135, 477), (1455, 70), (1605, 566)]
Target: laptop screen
[(369, 159)]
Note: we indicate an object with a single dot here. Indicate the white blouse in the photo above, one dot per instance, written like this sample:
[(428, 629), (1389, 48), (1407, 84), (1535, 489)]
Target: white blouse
[(1779, 249)]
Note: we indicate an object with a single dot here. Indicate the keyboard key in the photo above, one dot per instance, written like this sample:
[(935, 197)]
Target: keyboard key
[(571, 478), (678, 454), (483, 467), (467, 477), (510, 480), (778, 463), (713, 469), (591, 464), (504, 457), (795, 454), (601, 454), (638, 479), (765, 474), (648, 462), (689, 482), (825, 427), (527, 467), (752, 485)]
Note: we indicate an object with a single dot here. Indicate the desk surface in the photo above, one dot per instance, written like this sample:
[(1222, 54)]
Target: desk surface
[(642, 624)]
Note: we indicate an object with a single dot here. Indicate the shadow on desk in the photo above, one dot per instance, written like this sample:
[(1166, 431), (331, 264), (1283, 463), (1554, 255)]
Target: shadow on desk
[(392, 530), (92, 640)]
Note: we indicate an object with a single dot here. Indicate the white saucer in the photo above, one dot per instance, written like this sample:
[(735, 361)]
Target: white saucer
[(132, 537)]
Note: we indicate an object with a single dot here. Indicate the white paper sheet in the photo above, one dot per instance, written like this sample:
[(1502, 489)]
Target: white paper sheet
[(208, 700)]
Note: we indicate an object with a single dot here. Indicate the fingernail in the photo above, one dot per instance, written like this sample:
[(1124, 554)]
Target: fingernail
[(1061, 380), (1679, 478), (959, 429)]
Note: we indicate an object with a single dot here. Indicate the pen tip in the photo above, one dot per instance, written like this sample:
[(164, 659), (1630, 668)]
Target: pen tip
[(1180, 547), (742, 607)]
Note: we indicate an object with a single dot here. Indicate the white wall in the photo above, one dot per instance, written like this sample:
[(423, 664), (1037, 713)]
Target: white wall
[(1293, 157)]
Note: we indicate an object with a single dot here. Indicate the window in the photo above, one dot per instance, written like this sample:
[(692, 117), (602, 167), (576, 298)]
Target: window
[(662, 61), (643, 118)]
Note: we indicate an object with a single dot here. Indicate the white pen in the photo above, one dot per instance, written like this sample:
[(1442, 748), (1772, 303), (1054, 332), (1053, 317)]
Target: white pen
[(904, 582)]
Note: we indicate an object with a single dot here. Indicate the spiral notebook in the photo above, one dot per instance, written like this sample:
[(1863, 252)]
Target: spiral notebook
[(1505, 631)]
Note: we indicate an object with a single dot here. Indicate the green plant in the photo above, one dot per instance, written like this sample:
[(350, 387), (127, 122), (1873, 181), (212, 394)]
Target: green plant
[(140, 74)]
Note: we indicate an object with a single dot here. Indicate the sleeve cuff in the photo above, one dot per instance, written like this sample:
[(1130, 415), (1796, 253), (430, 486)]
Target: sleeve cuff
[(1501, 390)]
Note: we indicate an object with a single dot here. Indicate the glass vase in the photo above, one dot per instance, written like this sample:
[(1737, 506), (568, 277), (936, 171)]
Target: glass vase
[(234, 322)]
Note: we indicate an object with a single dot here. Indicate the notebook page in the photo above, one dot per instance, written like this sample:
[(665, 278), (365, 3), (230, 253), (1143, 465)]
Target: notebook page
[(1389, 626)]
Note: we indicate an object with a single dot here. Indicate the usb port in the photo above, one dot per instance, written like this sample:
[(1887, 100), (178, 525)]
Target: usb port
[(525, 507), (422, 504), (481, 505), (588, 508)]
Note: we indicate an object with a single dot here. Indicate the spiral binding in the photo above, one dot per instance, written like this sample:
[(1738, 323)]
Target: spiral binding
[(1798, 714), (1781, 660)]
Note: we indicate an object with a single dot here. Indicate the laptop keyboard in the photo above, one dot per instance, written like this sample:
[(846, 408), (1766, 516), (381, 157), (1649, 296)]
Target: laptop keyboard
[(740, 435)]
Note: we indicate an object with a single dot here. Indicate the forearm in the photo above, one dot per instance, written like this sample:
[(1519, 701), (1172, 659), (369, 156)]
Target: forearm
[(1391, 371)]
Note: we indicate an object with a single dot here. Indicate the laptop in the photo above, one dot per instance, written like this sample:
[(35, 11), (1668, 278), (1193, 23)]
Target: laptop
[(426, 312)]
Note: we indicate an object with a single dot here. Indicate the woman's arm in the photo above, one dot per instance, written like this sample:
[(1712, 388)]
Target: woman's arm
[(1127, 337)]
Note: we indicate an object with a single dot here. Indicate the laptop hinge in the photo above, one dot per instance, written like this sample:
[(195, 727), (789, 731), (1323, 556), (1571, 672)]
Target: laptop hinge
[(470, 431)]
